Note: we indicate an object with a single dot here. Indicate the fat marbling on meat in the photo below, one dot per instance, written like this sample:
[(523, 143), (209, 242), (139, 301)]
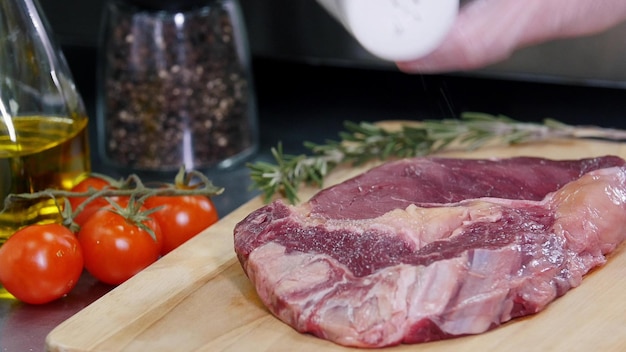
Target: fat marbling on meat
[(425, 249)]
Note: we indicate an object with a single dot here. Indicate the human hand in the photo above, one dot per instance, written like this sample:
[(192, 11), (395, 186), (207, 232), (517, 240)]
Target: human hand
[(488, 31)]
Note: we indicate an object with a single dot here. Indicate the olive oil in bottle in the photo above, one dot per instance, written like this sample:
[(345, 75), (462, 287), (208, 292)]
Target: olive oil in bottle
[(46, 152), (43, 138)]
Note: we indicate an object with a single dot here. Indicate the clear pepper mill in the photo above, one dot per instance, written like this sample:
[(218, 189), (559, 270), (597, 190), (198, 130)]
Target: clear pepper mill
[(43, 134), (175, 86)]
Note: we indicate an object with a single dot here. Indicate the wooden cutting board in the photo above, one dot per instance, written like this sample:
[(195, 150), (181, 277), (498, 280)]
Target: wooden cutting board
[(197, 298)]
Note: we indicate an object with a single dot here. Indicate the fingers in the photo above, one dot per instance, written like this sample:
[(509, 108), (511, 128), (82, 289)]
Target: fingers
[(488, 31)]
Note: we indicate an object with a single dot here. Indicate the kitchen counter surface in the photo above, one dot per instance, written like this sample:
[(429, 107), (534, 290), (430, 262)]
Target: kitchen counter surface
[(304, 101)]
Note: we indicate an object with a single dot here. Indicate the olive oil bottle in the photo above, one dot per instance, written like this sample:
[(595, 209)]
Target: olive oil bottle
[(52, 152), (43, 134)]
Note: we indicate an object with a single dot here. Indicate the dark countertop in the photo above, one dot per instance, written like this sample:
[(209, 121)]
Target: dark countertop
[(298, 102)]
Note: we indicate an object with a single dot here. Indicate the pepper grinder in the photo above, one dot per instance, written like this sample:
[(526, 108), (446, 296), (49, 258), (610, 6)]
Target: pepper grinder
[(174, 86), (397, 30)]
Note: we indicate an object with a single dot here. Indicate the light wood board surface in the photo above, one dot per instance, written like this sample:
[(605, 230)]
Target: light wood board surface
[(197, 298)]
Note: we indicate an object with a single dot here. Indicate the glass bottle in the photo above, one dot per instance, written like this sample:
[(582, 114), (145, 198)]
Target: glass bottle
[(43, 135), (175, 86)]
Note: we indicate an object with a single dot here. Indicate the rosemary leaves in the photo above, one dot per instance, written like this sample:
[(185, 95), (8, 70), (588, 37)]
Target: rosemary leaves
[(363, 142)]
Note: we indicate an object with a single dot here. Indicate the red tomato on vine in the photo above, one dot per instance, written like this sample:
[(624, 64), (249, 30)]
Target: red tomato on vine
[(40, 263), (117, 245), (95, 183), (181, 217)]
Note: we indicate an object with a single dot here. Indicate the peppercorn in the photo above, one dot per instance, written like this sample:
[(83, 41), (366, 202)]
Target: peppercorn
[(175, 87)]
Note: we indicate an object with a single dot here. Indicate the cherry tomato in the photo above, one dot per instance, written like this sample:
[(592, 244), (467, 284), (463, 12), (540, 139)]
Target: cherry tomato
[(85, 185), (181, 217), (40, 263), (115, 248)]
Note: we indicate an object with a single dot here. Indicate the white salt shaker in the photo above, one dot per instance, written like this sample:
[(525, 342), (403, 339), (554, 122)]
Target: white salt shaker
[(395, 30)]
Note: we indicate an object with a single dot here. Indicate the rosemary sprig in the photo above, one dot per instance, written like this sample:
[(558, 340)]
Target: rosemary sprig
[(365, 142)]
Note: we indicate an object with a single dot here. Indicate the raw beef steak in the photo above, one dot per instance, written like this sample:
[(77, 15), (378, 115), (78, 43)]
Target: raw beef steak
[(429, 248)]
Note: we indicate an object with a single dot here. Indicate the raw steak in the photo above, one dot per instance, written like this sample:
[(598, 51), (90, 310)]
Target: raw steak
[(426, 249)]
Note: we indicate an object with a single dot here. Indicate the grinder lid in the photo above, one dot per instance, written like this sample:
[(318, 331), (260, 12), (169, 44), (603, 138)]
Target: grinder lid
[(169, 5)]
